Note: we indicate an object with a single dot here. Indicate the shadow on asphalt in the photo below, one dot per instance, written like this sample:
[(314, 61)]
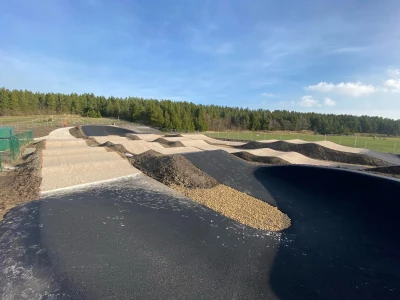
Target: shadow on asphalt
[(345, 233)]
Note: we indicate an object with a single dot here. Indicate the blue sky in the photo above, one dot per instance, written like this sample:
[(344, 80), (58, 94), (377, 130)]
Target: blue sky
[(325, 56)]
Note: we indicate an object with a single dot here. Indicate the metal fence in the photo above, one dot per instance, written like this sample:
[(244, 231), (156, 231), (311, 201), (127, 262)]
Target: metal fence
[(15, 143)]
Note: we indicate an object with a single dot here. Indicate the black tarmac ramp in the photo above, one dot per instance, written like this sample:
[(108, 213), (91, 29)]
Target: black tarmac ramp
[(103, 130), (344, 238)]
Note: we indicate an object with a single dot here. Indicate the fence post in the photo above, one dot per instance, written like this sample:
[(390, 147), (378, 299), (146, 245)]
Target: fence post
[(366, 144), (340, 141), (394, 148), (355, 142)]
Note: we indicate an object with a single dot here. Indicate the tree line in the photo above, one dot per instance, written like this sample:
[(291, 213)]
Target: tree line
[(189, 116)]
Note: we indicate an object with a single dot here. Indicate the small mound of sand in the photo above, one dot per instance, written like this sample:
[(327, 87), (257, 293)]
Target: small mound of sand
[(180, 174), (260, 159), (132, 137), (239, 207), (168, 144), (174, 169), (173, 135), (316, 151)]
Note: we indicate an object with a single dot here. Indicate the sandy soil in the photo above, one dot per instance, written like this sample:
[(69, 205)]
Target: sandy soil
[(68, 161), (168, 144)]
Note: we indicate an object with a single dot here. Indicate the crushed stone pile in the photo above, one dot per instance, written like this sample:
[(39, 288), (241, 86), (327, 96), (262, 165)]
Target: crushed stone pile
[(269, 160), (316, 151), (132, 137)]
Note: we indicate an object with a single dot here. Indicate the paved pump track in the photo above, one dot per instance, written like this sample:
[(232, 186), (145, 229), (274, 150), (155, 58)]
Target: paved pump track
[(135, 238)]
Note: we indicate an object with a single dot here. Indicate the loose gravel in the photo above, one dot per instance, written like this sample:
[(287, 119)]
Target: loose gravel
[(239, 207), (180, 174)]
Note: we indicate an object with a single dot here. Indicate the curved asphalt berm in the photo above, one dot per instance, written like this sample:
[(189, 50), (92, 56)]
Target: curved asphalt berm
[(344, 233), (137, 239)]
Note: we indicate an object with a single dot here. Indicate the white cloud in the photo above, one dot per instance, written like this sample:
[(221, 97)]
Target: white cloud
[(268, 95), (353, 89), (394, 84), (309, 101), (394, 72), (329, 102)]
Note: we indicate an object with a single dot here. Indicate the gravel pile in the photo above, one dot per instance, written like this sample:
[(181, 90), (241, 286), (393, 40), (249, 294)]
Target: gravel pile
[(23, 184), (318, 152), (180, 174), (115, 147), (239, 207), (269, 160), (168, 144)]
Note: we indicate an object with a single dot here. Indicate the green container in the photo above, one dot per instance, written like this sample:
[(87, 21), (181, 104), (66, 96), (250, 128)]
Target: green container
[(6, 132)]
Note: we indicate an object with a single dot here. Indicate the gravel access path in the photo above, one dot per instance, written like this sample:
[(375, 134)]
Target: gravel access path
[(68, 162)]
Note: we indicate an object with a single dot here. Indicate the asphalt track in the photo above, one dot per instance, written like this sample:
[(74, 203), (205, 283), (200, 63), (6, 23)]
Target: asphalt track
[(137, 239), (101, 130), (344, 236)]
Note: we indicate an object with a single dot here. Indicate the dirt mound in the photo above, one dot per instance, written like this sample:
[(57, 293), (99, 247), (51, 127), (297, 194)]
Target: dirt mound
[(173, 135), (318, 152), (172, 170), (77, 132), (115, 147), (132, 137), (23, 184), (260, 159), (168, 144), (393, 171)]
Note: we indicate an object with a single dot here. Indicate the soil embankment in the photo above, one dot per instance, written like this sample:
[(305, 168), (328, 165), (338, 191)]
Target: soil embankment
[(392, 171), (22, 184), (268, 160), (180, 174), (316, 151)]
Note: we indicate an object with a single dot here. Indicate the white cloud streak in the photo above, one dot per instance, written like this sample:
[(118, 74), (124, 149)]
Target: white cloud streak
[(309, 101), (329, 102), (352, 89), (268, 95)]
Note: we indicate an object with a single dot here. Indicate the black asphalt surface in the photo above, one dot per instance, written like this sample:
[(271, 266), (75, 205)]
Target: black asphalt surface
[(137, 239), (345, 231), (101, 130), (390, 158)]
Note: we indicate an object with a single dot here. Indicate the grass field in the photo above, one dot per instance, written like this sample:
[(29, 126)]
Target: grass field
[(48, 120), (381, 144)]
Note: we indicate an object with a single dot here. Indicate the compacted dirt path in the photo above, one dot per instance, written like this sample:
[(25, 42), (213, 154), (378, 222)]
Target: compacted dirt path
[(68, 162)]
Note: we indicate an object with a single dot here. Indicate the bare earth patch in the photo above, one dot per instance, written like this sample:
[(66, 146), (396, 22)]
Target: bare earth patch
[(23, 184), (180, 174)]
